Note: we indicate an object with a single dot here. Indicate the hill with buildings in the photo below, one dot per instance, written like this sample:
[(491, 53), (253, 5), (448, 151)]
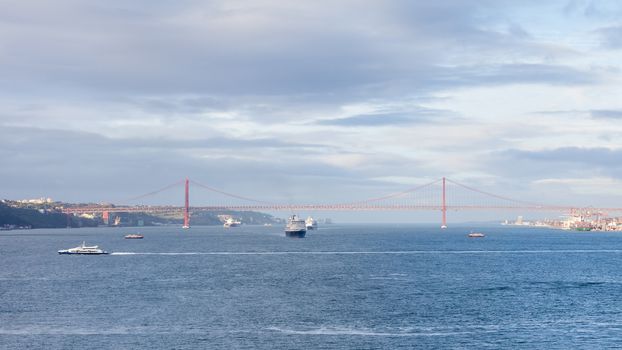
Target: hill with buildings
[(45, 213), (12, 217)]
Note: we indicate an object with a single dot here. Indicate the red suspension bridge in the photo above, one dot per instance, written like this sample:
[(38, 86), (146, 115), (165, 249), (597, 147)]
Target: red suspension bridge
[(441, 195)]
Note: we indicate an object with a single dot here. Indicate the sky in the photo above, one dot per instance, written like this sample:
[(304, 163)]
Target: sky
[(310, 102)]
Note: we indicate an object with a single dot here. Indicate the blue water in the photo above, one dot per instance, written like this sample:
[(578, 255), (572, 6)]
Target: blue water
[(342, 287)]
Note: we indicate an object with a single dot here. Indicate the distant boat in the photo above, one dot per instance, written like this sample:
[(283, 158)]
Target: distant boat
[(83, 249), (185, 227), (231, 222), (443, 227), (134, 236), (311, 224), (476, 235), (295, 227)]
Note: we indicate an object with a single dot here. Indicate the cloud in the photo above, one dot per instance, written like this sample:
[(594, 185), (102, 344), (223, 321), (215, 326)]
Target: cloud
[(596, 9), (606, 114), (269, 49), (414, 116), (611, 37), (380, 119), (593, 113), (602, 156), (519, 74), (586, 186), (564, 162), (82, 167)]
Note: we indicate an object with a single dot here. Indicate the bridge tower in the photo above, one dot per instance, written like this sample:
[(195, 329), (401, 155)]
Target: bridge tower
[(444, 208), (106, 217), (187, 206)]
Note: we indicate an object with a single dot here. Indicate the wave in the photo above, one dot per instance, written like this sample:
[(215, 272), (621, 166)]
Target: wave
[(47, 330), (366, 332)]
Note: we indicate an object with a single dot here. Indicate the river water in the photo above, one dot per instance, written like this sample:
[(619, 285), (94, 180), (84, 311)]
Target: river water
[(341, 287)]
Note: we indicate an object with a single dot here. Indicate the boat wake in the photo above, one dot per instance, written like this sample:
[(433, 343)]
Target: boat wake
[(172, 253), (396, 252)]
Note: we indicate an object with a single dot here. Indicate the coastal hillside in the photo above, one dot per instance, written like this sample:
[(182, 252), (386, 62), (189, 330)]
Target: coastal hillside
[(15, 215), (12, 217)]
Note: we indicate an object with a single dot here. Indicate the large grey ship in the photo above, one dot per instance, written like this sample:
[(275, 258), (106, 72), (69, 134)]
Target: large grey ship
[(295, 227)]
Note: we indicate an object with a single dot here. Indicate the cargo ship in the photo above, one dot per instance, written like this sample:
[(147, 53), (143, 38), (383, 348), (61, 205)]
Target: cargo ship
[(295, 227)]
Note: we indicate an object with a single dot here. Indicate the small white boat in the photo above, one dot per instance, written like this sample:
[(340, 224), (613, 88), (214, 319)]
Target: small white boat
[(311, 223), (476, 235), (134, 236), (84, 249)]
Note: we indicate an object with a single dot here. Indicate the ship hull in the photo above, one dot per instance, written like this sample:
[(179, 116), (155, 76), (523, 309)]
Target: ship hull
[(75, 253), (296, 234)]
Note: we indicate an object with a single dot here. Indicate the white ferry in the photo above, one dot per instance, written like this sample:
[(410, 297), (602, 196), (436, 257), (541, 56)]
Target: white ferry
[(83, 249), (295, 227), (311, 223)]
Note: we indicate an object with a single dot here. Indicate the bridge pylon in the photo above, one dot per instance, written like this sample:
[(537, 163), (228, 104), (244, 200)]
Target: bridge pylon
[(187, 206), (444, 208)]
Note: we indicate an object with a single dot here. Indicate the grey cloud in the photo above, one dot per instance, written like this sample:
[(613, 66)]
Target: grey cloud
[(519, 73), (518, 31), (174, 106), (593, 113), (59, 141), (561, 162), (598, 155), (598, 9), (611, 37), (415, 116), (79, 166), (516, 170), (273, 53), (606, 114), (379, 119)]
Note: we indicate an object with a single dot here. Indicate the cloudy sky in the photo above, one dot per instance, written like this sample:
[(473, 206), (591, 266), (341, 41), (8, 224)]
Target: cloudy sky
[(316, 101)]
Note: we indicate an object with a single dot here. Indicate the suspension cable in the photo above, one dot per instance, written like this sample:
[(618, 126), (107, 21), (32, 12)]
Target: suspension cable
[(155, 192), (228, 194), (496, 196), (394, 195)]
